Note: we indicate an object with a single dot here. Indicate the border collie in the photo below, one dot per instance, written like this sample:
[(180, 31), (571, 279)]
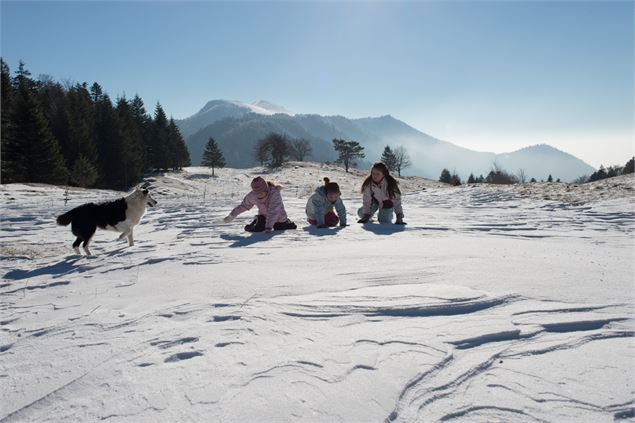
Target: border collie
[(120, 215)]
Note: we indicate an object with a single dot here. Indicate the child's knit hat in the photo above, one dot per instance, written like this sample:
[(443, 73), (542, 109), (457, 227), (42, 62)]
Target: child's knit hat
[(331, 186), (259, 185)]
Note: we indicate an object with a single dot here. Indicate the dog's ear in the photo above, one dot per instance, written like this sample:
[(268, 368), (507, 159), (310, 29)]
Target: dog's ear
[(143, 187)]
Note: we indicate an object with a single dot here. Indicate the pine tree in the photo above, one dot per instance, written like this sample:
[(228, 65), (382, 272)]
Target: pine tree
[(83, 173), (144, 123), (213, 156), (132, 140), (111, 148), (159, 147), (446, 176), (456, 179), (348, 151), (53, 101), (471, 179), (179, 154), (31, 154), (6, 100), (388, 158), (550, 178), (598, 175), (81, 122), (629, 167), (96, 93)]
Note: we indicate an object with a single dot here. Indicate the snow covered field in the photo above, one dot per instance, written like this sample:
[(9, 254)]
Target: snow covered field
[(494, 304)]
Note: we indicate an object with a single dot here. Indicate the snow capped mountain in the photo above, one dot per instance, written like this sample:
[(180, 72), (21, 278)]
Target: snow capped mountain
[(216, 110), (261, 107), (237, 125)]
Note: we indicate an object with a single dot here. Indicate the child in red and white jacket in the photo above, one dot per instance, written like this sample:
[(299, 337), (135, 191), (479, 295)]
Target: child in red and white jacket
[(380, 192)]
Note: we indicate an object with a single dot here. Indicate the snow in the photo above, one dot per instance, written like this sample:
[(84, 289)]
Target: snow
[(262, 107), (494, 303)]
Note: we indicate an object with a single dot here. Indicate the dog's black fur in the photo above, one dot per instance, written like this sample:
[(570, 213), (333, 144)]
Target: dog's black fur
[(120, 216), (87, 218)]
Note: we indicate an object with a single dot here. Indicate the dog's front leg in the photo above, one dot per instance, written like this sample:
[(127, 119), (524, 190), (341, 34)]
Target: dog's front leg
[(125, 232), (130, 240)]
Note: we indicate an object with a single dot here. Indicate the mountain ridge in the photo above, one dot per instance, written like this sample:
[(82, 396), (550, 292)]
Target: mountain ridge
[(236, 127)]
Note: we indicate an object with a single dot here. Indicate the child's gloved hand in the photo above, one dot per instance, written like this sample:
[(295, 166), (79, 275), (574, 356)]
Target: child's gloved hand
[(268, 230), (228, 218), (399, 220), (364, 218)]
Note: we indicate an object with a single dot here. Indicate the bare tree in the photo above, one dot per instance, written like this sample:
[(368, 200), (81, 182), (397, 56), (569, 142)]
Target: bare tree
[(402, 159), (300, 149), (261, 152), (522, 177), (273, 150)]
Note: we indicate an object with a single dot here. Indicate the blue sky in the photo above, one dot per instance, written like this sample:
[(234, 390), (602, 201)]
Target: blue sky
[(490, 76)]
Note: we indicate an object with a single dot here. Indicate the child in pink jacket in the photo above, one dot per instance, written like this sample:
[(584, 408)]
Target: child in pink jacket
[(271, 214)]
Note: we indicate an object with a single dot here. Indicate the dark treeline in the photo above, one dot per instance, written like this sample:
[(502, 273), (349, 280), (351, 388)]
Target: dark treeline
[(611, 171), (499, 176), (72, 134)]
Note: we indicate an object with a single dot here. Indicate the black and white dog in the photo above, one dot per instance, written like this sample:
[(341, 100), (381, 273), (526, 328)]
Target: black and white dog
[(120, 215)]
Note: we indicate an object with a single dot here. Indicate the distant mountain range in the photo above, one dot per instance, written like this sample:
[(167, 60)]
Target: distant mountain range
[(236, 126)]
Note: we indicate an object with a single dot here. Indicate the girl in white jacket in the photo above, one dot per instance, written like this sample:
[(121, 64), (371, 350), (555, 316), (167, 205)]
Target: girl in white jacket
[(380, 191)]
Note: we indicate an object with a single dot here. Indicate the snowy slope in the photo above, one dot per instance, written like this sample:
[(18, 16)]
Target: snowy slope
[(510, 304)]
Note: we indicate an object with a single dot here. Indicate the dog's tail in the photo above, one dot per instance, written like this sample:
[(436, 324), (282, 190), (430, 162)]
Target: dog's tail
[(65, 219)]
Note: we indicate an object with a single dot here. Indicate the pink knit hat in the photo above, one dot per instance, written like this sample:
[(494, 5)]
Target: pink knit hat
[(259, 185)]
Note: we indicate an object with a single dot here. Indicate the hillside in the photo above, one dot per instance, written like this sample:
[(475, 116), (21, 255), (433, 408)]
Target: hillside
[(494, 303)]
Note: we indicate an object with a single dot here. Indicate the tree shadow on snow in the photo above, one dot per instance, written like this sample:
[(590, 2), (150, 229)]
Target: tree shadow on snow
[(244, 241), (314, 230), (383, 228), (63, 267)]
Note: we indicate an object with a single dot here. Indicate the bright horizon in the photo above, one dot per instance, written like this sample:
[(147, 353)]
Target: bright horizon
[(488, 76)]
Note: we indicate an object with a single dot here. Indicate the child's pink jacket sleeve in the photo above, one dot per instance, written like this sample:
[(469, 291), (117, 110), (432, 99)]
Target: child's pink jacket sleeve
[(247, 204)]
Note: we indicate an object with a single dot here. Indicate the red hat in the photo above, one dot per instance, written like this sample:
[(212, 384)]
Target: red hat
[(259, 185)]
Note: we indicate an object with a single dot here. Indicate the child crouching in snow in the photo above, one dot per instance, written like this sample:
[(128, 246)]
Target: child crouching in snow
[(271, 214), (380, 191), (319, 207)]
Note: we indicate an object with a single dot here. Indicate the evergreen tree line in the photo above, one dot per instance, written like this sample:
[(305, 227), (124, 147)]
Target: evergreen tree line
[(611, 171), (499, 176), (72, 134)]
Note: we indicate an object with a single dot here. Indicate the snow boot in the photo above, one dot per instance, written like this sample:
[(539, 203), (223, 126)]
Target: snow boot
[(281, 226), (258, 224)]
